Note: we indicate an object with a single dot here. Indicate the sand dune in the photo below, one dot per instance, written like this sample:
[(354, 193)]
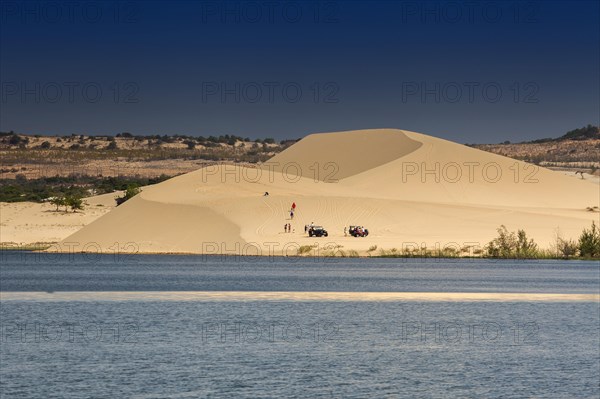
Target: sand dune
[(407, 188)]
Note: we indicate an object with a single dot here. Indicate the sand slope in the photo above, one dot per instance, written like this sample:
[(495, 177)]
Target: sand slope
[(407, 188)]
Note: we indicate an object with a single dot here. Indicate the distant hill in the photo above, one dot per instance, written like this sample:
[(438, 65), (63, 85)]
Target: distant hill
[(585, 133), (577, 149), (588, 132)]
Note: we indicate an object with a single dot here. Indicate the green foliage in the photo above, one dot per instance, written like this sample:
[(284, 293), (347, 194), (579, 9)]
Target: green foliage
[(503, 245), (131, 191), (566, 248), (589, 242), (587, 132), (58, 201), (37, 190), (526, 248), (74, 201), (509, 244)]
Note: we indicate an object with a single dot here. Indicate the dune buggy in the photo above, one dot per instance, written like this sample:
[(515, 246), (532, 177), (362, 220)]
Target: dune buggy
[(358, 231)]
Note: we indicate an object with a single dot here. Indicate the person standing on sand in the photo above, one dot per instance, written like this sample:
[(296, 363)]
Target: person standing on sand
[(345, 231), (292, 214), (285, 228)]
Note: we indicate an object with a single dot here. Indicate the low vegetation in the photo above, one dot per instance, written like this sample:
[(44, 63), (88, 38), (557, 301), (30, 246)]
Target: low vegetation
[(40, 149), (589, 242), (37, 168), (506, 245), (51, 188), (511, 245), (132, 190)]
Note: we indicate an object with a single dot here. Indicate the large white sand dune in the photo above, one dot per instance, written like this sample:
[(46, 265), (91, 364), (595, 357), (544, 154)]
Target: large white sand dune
[(407, 188)]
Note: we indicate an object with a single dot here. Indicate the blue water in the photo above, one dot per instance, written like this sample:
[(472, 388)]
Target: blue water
[(307, 349)]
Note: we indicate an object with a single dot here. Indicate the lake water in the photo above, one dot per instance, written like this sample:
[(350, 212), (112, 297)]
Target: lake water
[(186, 326)]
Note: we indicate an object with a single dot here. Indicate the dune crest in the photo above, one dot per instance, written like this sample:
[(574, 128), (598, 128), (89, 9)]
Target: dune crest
[(336, 156), (407, 188)]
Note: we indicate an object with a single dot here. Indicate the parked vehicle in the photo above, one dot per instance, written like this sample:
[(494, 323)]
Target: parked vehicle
[(358, 231), (317, 231)]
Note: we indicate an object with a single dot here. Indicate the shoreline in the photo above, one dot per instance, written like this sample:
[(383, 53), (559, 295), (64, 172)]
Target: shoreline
[(43, 250)]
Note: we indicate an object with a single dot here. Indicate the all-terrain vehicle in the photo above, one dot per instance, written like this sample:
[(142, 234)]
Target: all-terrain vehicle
[(317, 231), (358, 231)]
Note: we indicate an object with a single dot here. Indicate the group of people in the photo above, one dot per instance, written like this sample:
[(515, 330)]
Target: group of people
[(308, 226), (288, 226), (292, 210)]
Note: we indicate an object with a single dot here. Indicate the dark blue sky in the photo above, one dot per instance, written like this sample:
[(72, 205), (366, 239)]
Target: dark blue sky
[(466, 71)]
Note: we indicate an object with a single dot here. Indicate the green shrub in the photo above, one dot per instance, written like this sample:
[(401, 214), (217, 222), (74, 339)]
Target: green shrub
[(58, 201), (589, 242), (131, 191), (74, 201), (509, 244), (566, 248), (504, 245), (526, 248)]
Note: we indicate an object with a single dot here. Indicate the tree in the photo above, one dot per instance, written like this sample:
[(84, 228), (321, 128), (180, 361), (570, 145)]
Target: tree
[(589, 242), (45, 145), (112, 146), (586, 132), (504, 245), (526, 248), (58, 201), (567, 248), (75, 202)]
